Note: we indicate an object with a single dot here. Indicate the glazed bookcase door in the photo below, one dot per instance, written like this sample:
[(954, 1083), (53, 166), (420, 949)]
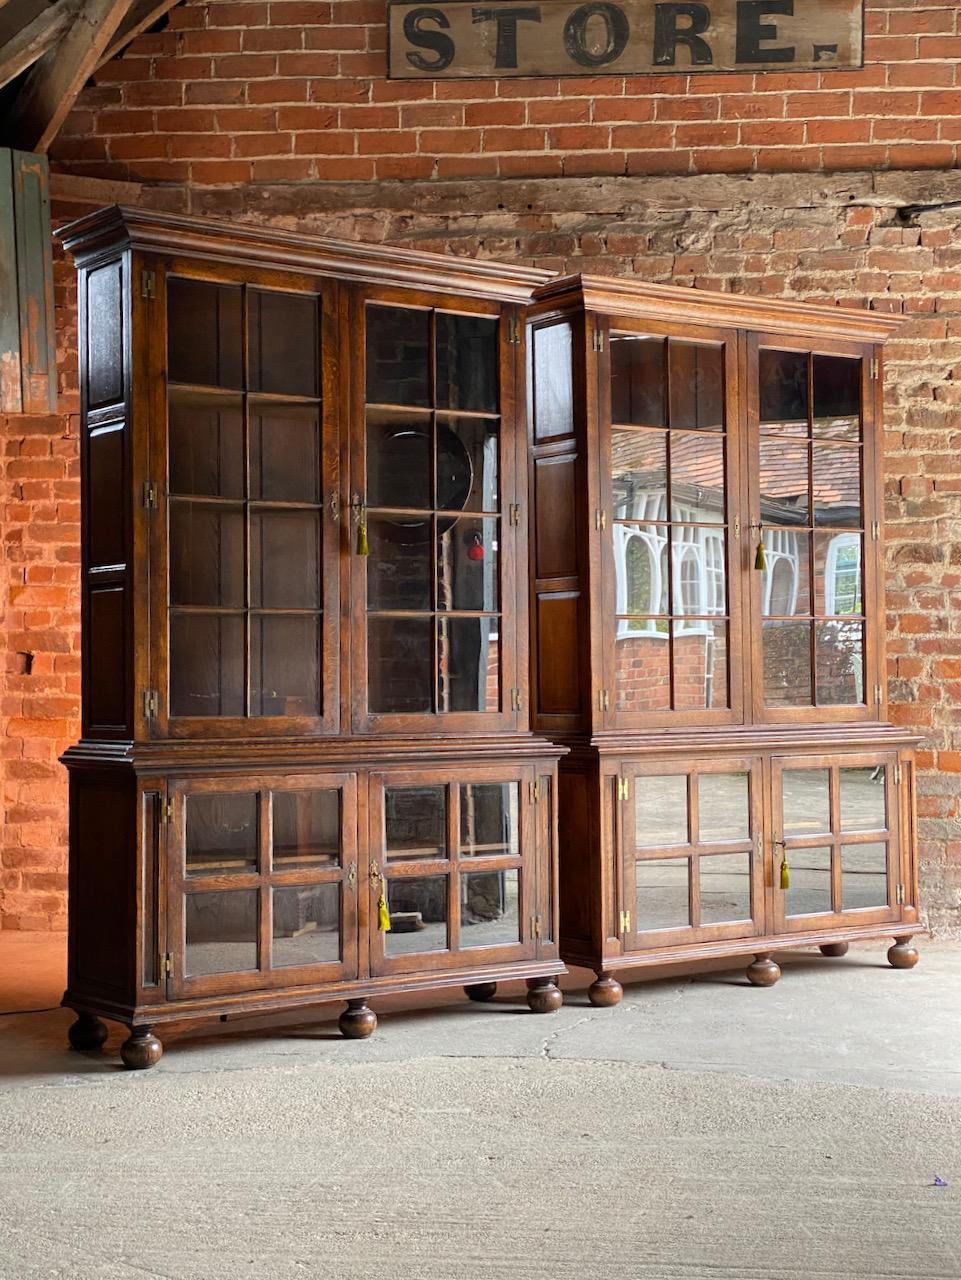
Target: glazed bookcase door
[(691, 836), (456, 863), (244, 482), (437, 556), (262, 884), (814, 509), (669, 519), (836, 822)]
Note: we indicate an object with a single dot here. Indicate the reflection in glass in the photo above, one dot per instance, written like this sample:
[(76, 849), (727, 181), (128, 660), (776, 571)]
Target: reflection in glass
[(552, 389), (660, 810), (783, 385), (837, 397), (838, 573), (864, 876), (306, 925), (398, 460), (863, 798), (489, 908), (663, 894), (415, 822), (467, 565), (306, 827), (206, 665), (787, 663), (723, 806), (837, 485), (467, 446), (221, 833), (283, 343), (641, 570), (784, 482), (697, 477), (468, 662), (489, 819), (725, 884), (204, 344), (400, 676), (398, 356), (418, 915), (786, 581), (700, 664), (399, 564), (699, 570), (810, 889), (284, 665), (206, 555), (205, 442), (840, 663), (697, 386), (639, 474), (466, 362), (284, 453), (637, 380), (221, 932), (642, 665), (285, 559), (806, 801)]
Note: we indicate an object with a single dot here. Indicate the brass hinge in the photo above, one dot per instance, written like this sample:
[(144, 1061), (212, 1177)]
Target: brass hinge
[(597, 339), (625, 922), (150, 494), (877, 695), (875, 529), (516, 701), (534, 790), (875, 366), (167, 964), (535, 926), (167, 811), (623, 788), (899, 897), (151, 703), (148, 284), (600, 519), (603, 699), (897, 775), (513, 331), (514, 512)]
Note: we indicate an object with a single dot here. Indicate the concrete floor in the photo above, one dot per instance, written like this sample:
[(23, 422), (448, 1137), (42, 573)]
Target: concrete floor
[(702, 1129)]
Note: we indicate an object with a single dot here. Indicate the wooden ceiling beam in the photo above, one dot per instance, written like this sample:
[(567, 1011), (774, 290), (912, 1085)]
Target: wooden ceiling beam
[(32, 41), (141, 15), (53, 83)]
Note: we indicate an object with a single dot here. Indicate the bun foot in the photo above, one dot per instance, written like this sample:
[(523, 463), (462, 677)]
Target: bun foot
[(544, 996), (481, 991), (141, 1050), (763, 971), (902, 955), (605, 991), (357, 1022), (834, 949), (87, 1032)]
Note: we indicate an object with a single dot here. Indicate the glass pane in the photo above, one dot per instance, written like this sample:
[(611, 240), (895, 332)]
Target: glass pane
[(637, 380), (722, 808), (206, 665), (642, 665), (640, 555), (863, 798), (400, 665), (839, 654), (806, 801), (466, 362), (786, 581), (697, 478), (864, 876), (467, 564), (285, 559), (697, 386), (284, 666), (204, 344), (660, 810), (639, 474), (398, 460), (221, 932), (490, 909), (783, 386), (662, 894), (725, 883), (837, 397), (306, 826), (206, 444), (418, 915), (837, 485), (398, 566), (489, 819), (810, 891), (398, 356), (784, 482), (206, 555), (467, 448), (283, 342), (221, 833), (838, 573), (699, 570), (306, 925), (415, 821), (284, 452), (787, 663), (468, 662), (552, 381), (700, 664)]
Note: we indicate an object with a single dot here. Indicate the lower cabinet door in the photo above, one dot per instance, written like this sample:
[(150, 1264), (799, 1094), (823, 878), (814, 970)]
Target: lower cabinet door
[(691, 839), (836, 840), (454, 868), (262, 882)]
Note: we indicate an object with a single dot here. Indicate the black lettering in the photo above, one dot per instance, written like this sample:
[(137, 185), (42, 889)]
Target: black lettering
[(416, 34), (751, 31), (507, 20), (668, 35), (575, 34)]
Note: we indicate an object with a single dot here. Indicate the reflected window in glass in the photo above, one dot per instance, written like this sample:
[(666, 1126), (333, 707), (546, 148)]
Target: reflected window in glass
[(306, 827), (221, 932), (660, 810), (725, 885), (864, 876), (306, 925), (418, 915), (489, 908), (663, 893), (810, 888)]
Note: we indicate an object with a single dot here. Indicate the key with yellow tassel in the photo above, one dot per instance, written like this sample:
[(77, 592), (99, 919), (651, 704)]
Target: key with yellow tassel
[(785, 874), (383, 914), (760, 557), (363, 546)]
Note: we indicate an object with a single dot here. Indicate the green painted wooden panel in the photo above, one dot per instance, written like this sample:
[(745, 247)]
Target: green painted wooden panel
[(28, 360)]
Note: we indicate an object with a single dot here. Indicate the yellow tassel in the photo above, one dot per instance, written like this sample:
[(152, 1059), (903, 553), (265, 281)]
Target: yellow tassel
[(363, 546), (760, 559), (785, 875), (383, 915)]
